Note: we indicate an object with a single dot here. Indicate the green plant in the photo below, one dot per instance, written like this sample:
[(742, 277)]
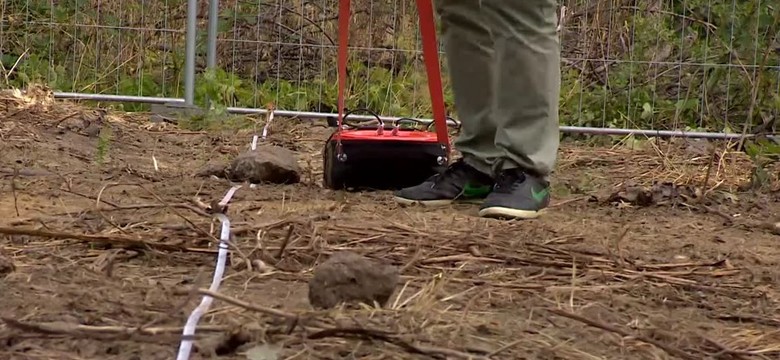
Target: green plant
[(103, 144), (762, 152)]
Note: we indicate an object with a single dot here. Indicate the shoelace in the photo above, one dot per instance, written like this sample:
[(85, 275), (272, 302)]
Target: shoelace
[(507, 180), (451, 170)]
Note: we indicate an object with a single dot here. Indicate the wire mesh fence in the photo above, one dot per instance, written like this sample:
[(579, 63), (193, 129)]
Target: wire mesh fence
[(709, 65), (97, 47)]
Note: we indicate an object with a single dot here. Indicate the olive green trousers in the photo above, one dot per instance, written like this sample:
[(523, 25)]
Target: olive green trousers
[(504, 62)]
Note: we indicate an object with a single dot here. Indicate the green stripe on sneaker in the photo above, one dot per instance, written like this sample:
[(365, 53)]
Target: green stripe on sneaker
[(474, 191)]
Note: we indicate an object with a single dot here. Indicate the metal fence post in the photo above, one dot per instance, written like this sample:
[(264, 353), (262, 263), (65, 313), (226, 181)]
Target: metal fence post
[(189, 61), (211, 38), (211, 41)]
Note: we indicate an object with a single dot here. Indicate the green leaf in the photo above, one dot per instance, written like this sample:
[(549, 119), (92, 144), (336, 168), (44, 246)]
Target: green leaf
[(647, 111), (752, 150)]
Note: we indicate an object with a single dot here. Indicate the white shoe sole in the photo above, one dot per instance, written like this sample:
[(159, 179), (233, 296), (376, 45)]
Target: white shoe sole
[(434, 203), (497, 212)]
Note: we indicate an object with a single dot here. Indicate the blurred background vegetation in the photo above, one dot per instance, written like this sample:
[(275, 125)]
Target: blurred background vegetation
[(660, 64)]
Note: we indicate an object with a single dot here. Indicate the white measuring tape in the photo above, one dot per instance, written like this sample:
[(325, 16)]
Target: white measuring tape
[(265, 128), (185, 348), (224, 238), (264, 134)]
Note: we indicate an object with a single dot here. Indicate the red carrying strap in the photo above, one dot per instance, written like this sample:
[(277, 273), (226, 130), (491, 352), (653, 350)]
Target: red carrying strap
[(344, 8), (430, 55)]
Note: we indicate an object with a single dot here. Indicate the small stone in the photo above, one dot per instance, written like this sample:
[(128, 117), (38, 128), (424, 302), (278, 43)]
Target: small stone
[(6, 266), (347, 277), (212, 169), (93, 129), (266, 164), (772, 227), (224, 344)]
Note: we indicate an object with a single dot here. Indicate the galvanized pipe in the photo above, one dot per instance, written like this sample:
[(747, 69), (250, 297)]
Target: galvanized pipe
[(211, 37), (321, 115), (189, 52), (117, 98)]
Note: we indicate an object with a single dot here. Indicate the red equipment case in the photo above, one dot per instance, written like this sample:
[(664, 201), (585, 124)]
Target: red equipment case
[(387, 156)]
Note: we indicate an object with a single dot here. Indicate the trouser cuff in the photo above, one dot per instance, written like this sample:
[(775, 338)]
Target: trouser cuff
[(478, 164)]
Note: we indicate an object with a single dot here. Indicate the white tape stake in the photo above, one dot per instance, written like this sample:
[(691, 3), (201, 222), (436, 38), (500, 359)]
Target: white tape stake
[(265, 135), (268, 123), (254, 147), (224, 238)]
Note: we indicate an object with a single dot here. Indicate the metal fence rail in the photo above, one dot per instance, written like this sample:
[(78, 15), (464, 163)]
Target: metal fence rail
[(671, 66)]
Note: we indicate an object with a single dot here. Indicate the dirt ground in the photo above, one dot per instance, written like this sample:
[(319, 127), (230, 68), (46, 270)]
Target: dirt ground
[(108, 253)]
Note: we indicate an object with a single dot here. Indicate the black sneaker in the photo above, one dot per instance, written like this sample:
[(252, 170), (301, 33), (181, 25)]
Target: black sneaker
[(516, 195), (458, 183)]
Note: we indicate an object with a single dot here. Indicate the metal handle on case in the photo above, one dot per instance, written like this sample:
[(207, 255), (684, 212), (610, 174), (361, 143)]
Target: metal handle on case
[(350, 112), (397, 124), (456, 122)]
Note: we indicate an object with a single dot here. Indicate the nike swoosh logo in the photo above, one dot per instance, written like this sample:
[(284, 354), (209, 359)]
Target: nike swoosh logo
[(539, 195)]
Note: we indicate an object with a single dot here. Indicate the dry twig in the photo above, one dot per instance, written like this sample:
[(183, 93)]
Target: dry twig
[(122, 241), (671, 350)]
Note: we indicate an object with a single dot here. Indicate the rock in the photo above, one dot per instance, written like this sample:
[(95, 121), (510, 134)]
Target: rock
[(347, 277), (266, 164), (6, 266), (772, 227)]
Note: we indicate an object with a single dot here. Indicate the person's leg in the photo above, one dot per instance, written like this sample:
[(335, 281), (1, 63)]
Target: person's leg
[(527, 51), (469, 51), (469, 48)]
